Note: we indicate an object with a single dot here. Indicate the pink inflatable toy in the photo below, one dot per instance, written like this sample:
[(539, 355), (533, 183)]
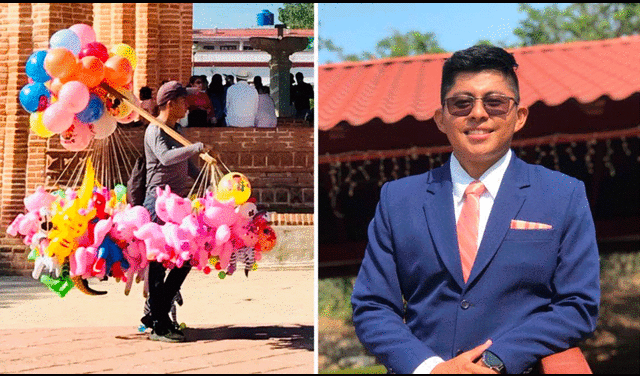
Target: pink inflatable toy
[(181, 241), (136, 255), (81, 262), (154, 241), (39, 199), (204, 239), (126, 222), (171, 207)]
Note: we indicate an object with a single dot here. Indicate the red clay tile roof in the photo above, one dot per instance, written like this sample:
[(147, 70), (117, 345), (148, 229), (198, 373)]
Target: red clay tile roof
[(391, 89)]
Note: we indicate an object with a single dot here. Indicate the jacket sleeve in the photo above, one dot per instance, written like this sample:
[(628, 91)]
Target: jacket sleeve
[(161, 147), (378, 303), (572, 314)]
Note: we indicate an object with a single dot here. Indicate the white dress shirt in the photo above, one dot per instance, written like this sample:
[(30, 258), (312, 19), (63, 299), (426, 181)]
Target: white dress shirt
[(242, 105), (460, 180)]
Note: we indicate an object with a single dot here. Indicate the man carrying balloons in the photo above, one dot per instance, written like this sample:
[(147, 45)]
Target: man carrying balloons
[(167, 164)]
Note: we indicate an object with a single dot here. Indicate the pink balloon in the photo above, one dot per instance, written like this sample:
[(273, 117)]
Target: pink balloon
[(77, 137), (74, 96), (85, 33), (56, 118)]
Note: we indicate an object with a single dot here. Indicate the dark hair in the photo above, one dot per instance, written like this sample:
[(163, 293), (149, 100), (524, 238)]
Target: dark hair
[(193, 79), (216, 86), (145, 93), (205, 80), (476, 59)]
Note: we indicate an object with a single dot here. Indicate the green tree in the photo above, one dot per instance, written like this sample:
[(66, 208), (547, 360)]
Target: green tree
[(410, 43), (578, 21), (297, 15), (396, 45)]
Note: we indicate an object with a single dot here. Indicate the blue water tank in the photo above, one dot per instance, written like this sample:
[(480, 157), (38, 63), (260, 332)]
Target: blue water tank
[(265, 18)]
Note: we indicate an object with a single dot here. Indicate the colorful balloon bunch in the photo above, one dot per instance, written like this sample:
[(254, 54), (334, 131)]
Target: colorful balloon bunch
[(92, 232), (63, 94)]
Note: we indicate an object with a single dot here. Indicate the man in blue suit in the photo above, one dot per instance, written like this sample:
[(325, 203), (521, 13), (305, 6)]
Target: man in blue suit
[(424, 300)]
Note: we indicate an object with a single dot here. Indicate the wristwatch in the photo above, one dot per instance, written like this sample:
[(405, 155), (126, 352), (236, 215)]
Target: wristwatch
[(490, 360)]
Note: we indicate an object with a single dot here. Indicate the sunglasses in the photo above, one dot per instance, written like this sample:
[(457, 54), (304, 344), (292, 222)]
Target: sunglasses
[(494, 104)]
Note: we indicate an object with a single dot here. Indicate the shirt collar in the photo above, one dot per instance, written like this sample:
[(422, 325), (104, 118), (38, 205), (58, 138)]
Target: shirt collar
[(491, 178)]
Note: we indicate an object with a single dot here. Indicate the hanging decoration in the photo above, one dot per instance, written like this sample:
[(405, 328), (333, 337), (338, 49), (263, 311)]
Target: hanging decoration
[(393, 164)]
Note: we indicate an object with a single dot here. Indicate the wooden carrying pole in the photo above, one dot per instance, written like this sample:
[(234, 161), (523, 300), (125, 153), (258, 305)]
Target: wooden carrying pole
[(170, 131)]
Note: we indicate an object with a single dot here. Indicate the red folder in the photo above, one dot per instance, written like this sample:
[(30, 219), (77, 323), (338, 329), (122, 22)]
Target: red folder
[(567, 362)]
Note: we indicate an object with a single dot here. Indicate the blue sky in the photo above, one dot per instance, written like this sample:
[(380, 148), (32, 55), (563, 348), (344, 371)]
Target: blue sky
[(357, 27)]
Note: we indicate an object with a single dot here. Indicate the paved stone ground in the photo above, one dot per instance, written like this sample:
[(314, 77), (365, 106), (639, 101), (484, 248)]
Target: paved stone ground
[(260, 324)]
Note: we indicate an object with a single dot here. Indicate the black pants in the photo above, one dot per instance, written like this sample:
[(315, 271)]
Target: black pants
[(162, 291)]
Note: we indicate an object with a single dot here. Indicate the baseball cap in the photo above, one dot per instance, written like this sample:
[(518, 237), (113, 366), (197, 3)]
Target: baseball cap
[(169, 91)]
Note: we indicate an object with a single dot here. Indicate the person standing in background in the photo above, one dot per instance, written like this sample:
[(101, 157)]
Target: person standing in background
[(217, 96), (148, 104), (199, 105), (242, 102), (266, 116)]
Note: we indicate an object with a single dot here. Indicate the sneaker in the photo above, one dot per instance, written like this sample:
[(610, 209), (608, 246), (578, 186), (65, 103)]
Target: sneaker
[(169, 336), (147, 321)]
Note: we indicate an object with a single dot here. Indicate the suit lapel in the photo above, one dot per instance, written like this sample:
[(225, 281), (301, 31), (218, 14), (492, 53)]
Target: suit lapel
[(511, 196), (440, 217)]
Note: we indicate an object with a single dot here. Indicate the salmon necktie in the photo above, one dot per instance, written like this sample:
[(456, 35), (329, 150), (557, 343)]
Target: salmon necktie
[(467, 227)]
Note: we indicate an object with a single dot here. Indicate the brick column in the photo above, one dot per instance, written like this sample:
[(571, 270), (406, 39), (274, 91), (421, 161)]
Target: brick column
[(16, 129), (147, 47), (4, 77)]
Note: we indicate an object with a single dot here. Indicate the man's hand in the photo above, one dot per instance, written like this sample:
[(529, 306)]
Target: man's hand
[(466, 362)]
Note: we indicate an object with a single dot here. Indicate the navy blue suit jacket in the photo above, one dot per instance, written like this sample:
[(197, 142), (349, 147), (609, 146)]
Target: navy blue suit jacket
[(532, 292)]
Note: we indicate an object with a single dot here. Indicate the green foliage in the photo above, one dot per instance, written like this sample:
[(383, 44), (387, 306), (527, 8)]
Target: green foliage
[(578, 21), (396, 45), (334, 297), (484, 42), (297, 15), (379, 369), (411, 43)]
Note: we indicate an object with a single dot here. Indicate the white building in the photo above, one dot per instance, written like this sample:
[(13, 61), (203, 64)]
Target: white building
[(225, 51)]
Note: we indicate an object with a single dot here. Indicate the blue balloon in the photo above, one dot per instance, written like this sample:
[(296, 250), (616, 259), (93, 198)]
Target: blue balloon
[(35, 67), (93, 111), (66, 38), (35, 97)]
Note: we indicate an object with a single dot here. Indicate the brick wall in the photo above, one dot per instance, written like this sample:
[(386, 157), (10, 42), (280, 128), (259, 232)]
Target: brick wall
[(161, 35), (278, 162)]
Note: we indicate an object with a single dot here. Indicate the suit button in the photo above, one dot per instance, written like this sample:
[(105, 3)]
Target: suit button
[(465, 304), (458, 352)]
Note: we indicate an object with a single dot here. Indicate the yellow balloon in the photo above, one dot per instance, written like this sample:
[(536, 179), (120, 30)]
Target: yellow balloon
[(122, 110), (127, 52), (37, 126), (234, 185)]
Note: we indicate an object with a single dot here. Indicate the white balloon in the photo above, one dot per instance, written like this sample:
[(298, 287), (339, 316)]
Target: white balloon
[(104, 126)]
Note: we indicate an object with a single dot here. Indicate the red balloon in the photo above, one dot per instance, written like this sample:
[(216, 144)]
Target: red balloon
[(96, 49)]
